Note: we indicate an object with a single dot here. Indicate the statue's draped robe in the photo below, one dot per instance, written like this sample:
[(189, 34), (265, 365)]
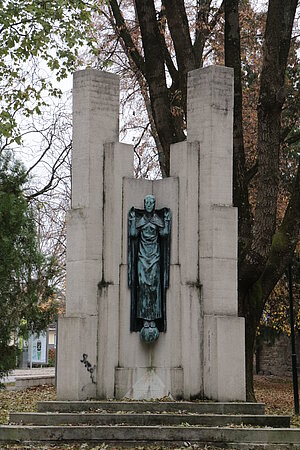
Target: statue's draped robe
[(148, 269), (148, 265)]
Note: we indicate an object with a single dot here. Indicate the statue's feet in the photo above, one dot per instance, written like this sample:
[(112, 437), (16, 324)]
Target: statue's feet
[(149, 333)]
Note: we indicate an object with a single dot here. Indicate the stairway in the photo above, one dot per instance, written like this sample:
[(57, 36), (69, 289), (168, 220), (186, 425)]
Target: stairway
[(167, 424)]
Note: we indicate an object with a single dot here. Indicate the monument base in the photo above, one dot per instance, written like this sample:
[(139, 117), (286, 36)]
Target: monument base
[(224, 364), (147, 383), (77, 337)]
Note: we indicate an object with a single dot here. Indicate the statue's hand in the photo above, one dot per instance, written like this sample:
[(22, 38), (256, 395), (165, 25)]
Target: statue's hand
[(167, 215), (132, 214)]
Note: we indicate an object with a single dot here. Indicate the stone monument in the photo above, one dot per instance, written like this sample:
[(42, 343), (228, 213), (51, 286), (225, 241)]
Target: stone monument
[(180, 335)]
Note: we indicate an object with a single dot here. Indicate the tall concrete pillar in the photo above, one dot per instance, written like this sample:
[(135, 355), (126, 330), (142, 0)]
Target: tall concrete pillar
[(185, 164), (95, 123), (210, 122)]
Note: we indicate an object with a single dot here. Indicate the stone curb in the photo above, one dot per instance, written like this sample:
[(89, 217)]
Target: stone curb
[(29, 381), (200, 408), (216, 435), (148, 419)]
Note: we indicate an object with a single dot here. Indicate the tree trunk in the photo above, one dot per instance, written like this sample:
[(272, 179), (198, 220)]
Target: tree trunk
[(179, 29), (251, 307), (233, 59), (156, 78), (276, 47), (250, 334)]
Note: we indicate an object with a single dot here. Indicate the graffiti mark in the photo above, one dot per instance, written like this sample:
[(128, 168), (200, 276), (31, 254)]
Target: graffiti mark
[(88, 367)]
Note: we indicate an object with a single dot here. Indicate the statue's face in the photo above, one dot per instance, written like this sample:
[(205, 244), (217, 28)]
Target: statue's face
[(149, 203)]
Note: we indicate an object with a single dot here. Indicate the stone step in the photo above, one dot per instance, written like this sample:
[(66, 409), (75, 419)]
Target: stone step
[(140, 407), (47, 419), (163, 435)]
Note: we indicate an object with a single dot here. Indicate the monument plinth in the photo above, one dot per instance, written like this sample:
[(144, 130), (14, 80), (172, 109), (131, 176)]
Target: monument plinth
[(199, 351)]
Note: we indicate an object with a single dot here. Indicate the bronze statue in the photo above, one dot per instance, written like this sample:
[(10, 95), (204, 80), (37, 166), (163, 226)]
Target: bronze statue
[(149, 233)]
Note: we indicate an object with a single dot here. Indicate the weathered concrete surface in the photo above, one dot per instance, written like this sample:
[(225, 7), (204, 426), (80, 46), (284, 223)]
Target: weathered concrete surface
[(150, 434), (223, 340), (36, 380), (191, 407), (210, 122), (148, 419), (95, 123), (152, 371), (184, 164), (148, 383), (196, 357), (77, 336)]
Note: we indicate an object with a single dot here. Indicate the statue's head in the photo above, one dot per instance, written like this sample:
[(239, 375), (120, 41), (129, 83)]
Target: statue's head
[(149, 203)]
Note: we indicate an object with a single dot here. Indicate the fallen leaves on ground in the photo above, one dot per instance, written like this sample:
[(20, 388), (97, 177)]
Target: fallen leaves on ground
[(278, 395), (26, 400), (186, 446)]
